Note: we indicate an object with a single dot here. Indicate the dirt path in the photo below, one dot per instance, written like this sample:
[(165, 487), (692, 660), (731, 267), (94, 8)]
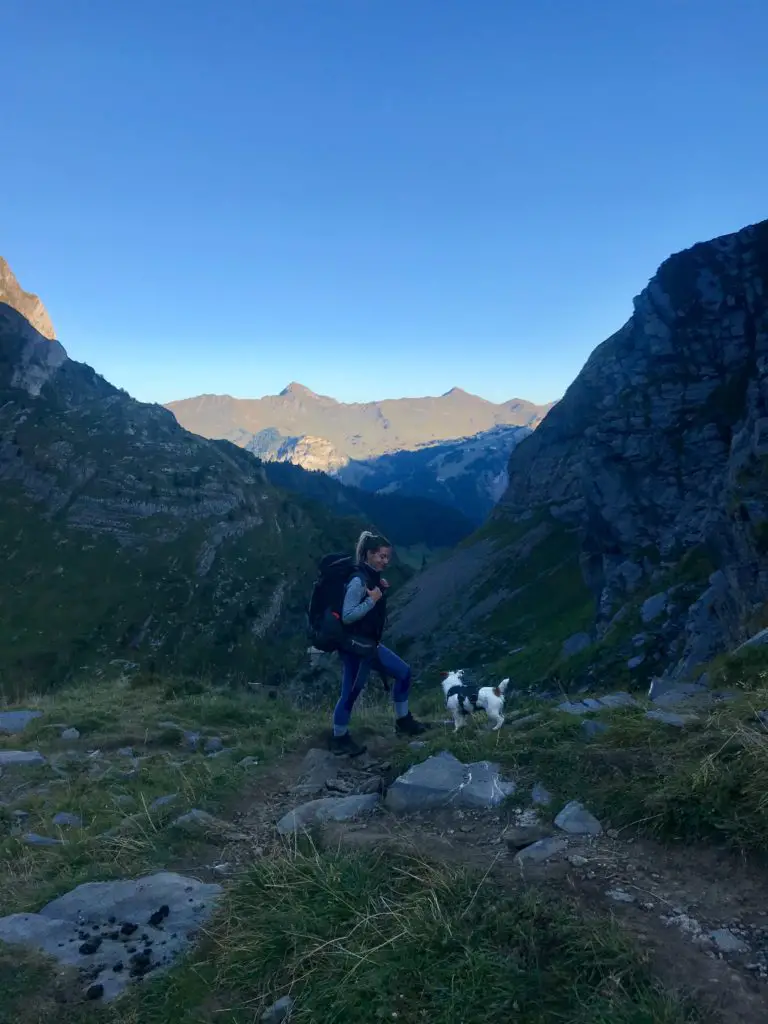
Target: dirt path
[(670, 899)]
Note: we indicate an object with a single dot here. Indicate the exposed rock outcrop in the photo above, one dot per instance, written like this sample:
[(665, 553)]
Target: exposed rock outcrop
[(29, 305), (649, 475)]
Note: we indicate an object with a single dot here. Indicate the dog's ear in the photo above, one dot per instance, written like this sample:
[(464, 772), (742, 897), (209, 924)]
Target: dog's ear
[(445, 674), (497, 691)]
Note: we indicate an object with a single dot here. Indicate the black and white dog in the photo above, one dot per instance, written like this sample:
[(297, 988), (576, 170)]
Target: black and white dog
[(462, 699)]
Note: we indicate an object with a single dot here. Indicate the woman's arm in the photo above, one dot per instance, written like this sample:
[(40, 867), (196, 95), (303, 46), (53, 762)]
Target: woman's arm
[(357, 603)]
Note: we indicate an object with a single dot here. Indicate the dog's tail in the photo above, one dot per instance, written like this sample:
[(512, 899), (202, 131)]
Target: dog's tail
[(500, 690)]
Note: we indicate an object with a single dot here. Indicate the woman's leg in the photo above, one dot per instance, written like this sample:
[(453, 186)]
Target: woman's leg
[(353, 680), (349, 693), (401, 673)]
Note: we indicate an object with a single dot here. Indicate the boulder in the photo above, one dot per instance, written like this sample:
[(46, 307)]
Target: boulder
[(169, 908), (332, 808), (443, 780), (540, 851), (575, 644), (577, 820), (20, 758), (16, 721)]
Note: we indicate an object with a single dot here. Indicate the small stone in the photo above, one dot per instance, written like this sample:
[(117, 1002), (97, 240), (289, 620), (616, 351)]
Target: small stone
[(541, 851), (591, 728), (727, 942), (222, 870), (612, 833), (123, 800), (577, 820), (575, 644), (519, 838), (20, 758), (94, 992), (517, 723), (417, 745), (620, 896), (66, 820), (248, 762), (20, 815), (635, 662), (201, 822), (577, 860), (653, 607), (541, 795), (125, 752), (128, 928), (191, 739), (33, 839), (213, 745), (16, 721), (279, 1011), (672, 718), (163, 801), (70, 734)]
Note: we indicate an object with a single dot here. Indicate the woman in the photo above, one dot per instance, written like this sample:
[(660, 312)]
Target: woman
[(364, 615)]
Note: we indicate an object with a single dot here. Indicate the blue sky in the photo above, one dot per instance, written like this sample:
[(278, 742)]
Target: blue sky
[(373, 197)]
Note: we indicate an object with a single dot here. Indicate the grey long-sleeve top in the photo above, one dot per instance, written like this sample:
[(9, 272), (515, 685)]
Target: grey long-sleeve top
[(357, 603)]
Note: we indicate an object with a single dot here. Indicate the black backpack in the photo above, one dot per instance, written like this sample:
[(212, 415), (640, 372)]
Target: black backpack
[(326, 630)]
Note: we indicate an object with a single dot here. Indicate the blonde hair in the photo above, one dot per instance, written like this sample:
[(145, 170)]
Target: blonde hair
[(368, 542)]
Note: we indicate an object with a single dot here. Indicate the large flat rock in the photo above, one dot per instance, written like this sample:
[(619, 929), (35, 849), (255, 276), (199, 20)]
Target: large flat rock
[(20, 758), (16, 721), (331, 808), (92, 926), (442, 780)]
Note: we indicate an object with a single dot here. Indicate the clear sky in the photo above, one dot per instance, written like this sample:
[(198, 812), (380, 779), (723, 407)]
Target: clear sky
[(373, 197)]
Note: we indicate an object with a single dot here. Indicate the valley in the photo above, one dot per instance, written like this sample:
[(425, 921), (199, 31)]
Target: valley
[(601, 858)]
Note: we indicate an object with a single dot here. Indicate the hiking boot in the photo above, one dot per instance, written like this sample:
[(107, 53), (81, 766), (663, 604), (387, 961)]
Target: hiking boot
[(341, 745), (408, 726)]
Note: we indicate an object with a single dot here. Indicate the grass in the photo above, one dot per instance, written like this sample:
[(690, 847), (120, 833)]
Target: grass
[(112, 796), (377, 935), (546, 600), (367, 937)]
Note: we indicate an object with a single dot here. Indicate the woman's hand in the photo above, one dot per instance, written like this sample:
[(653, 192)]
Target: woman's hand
[(375, 595)]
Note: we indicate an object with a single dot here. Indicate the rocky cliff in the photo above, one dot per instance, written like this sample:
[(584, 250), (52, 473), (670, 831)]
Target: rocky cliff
[(26, 303), (123, 536), (635, 524)]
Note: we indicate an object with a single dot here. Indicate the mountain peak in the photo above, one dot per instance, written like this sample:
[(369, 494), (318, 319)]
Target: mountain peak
[(294, 388), (26, 303), (457, 393)]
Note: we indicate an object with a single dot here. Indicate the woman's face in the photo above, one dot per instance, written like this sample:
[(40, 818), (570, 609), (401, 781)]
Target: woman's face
[(379, 560)]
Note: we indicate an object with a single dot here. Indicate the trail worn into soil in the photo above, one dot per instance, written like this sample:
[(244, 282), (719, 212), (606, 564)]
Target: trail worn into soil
[(670, 900)]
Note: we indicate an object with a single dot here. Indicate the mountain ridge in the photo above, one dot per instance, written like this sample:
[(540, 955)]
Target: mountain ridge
[(357, 430)]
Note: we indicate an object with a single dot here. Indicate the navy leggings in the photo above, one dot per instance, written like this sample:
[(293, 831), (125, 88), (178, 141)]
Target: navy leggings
[(355, 676)]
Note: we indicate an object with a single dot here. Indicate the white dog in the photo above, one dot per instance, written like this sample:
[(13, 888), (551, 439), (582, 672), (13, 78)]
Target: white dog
[(462, 699)]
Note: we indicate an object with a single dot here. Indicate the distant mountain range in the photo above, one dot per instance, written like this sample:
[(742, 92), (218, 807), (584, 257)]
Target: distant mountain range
[(353, 430), (453, 449)]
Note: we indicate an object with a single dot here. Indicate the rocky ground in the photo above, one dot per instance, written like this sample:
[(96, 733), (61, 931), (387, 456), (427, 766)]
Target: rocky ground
[(171, 823)]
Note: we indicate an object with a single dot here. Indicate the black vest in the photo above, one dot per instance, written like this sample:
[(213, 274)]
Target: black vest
[(372, 624)]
